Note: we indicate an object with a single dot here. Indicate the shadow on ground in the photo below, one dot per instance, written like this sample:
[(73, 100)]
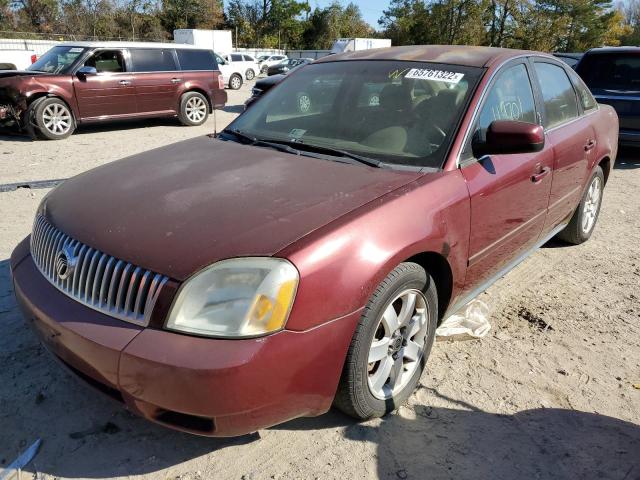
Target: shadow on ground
[(86, 435)]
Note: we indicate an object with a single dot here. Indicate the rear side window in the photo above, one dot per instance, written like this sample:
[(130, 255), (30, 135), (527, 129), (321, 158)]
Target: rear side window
[(586, 99), (560, 103), (153, 60), (612, 71), (196, 60)]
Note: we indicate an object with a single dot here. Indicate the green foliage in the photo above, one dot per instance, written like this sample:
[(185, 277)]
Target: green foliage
[(327, 24)]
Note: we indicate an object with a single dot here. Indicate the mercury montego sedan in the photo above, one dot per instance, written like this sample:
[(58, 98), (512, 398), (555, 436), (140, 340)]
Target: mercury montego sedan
[(303, 259)]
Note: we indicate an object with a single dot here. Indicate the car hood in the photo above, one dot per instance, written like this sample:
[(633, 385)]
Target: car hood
[(19, 73), (177, 209)]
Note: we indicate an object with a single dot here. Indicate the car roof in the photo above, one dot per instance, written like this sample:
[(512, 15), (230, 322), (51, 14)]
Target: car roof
[(129, 45), (465, 55)]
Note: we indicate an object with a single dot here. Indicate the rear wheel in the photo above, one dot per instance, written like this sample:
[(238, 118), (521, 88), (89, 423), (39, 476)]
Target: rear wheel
[(391, 344), (54, 119), (584, 219), (235, 82), (194, 109)]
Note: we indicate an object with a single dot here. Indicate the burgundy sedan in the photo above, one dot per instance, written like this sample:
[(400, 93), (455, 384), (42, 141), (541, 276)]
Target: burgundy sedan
[(303, 258)]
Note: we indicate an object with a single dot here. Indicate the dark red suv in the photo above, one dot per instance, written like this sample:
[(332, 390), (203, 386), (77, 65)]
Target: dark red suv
[(86, 82)]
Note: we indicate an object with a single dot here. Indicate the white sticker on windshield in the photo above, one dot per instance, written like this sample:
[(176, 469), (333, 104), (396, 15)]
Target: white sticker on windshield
[(297, 133), (76, 50), (436, 75)]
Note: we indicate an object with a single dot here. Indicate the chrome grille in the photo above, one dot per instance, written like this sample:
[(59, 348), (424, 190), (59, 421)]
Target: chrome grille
[(99, 281)]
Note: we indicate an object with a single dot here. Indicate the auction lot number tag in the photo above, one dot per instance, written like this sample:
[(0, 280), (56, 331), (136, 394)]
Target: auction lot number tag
[(437, 75)]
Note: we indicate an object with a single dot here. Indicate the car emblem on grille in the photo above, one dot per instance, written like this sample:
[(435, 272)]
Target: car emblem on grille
[(66, 262)]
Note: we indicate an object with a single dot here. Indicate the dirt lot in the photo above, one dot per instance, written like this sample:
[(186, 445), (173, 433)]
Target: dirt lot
[(548, 394)]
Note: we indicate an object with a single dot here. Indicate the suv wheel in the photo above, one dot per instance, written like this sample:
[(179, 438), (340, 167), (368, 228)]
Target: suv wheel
[(250, 74), (391, 344), (194, 109), (264, 69), (235, 82), (584, 218), (54, 119)]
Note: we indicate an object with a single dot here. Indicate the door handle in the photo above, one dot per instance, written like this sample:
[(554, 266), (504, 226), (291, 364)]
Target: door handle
[(176, 80), (125, 82), (537, 177), (590, 144)]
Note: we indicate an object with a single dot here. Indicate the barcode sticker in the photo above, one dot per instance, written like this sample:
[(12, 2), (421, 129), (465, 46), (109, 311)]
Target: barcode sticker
[(436, 75)]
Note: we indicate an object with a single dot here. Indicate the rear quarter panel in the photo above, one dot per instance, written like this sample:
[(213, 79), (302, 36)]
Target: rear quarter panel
[(206, 81), (342, 263), (606, 126)]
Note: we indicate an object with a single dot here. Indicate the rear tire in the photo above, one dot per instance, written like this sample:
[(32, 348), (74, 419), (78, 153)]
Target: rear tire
[(381, 344), (235, 82), (584, 219), (194, 109), (54, 119)]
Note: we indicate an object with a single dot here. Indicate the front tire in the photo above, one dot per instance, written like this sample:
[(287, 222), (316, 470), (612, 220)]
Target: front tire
[(250, 74), (391, 344), (194, 109), (235, 82), (584, 219), (54, 119)]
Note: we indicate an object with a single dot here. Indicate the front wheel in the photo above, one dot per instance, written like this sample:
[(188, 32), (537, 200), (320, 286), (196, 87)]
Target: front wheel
[(391, 344), (235, 82), (53, 119), (584, 219), (250, 74), (194, 109)]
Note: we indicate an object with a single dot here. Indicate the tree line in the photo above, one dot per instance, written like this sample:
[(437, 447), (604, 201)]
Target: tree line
[(548, 25)]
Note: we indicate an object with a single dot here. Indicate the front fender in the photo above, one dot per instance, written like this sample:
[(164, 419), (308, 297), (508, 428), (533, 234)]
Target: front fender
[(342, 263)]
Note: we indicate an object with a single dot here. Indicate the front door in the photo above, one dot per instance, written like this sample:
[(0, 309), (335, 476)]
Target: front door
[(509, 193), (109, 93), (157, 79)]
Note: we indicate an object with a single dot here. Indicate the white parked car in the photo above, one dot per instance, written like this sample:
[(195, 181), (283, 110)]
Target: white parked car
[(16, 59), (232, 73), (270, 60), (247, 63)]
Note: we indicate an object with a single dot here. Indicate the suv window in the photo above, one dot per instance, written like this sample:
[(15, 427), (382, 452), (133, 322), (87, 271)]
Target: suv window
[(586, 99), (510, 98), (236, 58), (153, 60), (611, 71), (248, 58), (107, 61), (196, 59), (560, 103)]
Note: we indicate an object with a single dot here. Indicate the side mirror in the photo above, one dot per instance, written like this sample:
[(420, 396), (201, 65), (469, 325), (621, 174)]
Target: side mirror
[(506, 137), (86, 71)]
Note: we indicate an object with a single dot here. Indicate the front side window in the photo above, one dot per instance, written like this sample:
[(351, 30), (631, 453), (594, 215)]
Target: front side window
[(395, 112), (509, 98), (236, 58), (560, 103), (196, 59), (248, 58), (107, 61), (57, 60), (153, 60)]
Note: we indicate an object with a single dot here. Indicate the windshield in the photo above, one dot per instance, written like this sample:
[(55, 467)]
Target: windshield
[(611, 71), (57, 60), (403, 113)]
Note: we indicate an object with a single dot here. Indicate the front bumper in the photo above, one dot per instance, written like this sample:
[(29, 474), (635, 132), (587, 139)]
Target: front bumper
[(210, 387)]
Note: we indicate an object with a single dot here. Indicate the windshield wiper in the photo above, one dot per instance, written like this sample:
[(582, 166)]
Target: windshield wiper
[(257, 142)]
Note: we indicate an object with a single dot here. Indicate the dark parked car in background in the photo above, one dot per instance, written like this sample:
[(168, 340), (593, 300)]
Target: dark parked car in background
[(82, 82), (570, 59), (303, 259), (288, 65), (262, 86), (613, 75)]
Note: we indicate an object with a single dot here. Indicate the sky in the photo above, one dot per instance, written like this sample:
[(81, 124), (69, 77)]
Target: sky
[(371, 9)]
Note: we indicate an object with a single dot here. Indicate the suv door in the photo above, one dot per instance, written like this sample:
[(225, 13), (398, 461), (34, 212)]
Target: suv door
[(571, 135), (509, 193), (157, 79), (109, 93)]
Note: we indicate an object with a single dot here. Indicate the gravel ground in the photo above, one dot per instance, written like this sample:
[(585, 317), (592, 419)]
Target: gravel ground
[(548, 394)]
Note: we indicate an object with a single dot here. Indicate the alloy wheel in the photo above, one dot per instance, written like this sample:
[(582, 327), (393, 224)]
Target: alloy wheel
[(591, 205), (57, 119), (196, 109), (398, 344), (235, 83), (304, 103)]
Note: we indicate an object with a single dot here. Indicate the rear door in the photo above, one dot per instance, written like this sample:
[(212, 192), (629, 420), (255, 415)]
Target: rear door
[(109, 93), (157, 79), (571, 135), (509, 193), (614, 79)]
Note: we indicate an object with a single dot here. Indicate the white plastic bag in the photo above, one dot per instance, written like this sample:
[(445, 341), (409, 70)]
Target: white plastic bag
[(470, 323)]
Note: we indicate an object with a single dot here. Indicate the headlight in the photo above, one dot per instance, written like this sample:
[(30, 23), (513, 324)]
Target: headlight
[(241, 297)]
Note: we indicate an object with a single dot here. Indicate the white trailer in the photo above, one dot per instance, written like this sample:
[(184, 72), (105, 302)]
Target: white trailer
[(16, 59), (220, 41), (353, 44)]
